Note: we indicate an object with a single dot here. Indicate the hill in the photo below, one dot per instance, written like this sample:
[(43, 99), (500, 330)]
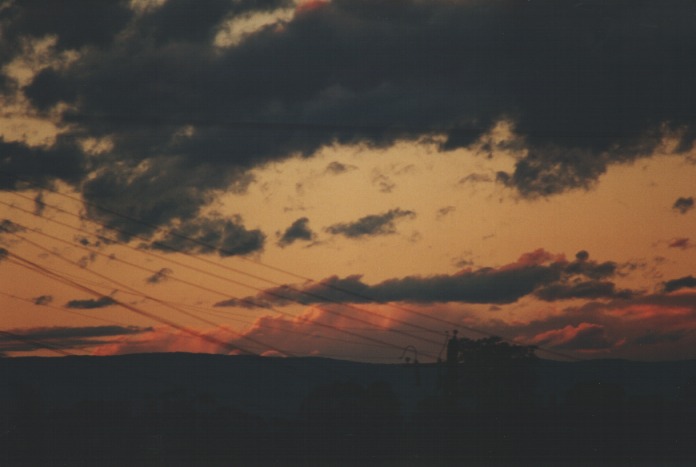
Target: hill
[(195, 404)]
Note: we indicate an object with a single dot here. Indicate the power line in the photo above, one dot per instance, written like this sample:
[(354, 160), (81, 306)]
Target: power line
[(36, 267), (353, 334), (36, 343), (301, 291), (275, 294)]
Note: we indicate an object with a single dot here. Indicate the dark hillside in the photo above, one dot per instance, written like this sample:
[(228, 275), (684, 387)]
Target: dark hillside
[(196, 407)]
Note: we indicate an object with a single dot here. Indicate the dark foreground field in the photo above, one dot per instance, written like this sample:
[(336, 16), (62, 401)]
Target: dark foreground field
[(190, 409)]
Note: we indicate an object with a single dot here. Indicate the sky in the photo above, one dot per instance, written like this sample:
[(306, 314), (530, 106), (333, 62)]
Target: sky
[(348, 178)]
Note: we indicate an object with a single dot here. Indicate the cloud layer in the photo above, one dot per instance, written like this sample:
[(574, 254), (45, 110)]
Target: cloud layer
[(547, 276), (179, 114)]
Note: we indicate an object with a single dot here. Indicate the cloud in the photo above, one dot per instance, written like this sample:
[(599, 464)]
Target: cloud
[(160, 276), (683, 204), (383, 182), (374, 224), (4, 253), (65, 337), (299, 230), (39, 204), (184, 122), (7, 226), (226, 237), (586, 289), (550, 277), (442, 212), (475, 178), (681, 283), (682, 243), (42, 299), (337, 168), (91, 303)]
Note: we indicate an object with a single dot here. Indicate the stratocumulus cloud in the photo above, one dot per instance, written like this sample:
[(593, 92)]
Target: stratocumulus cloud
[(371, 225), (65, 337), (549, 276), (298, 231), (91, 303)]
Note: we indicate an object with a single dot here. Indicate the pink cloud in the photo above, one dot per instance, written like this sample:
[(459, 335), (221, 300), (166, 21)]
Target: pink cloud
[(584, 336)]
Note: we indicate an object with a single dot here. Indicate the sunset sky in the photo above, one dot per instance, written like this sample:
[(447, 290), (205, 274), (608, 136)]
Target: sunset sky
[(347, 178)]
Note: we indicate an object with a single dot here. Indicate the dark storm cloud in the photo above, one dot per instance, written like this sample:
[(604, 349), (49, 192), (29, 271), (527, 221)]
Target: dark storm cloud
[(90, 303), (225, 237), (683, 204), (76, 23), (681, 283), (64, 337), (584, 84), (299, 230), (374, 224), (22, 167)]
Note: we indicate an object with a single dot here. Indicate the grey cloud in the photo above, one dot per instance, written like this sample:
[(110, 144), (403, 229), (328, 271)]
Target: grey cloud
[(89, 304), (374, 224), (337, 168), (299, 230), (64, 337), (22, 167), (76, 23), (475, 178), (383, 183), (682, 243), (226, 237), (653, 337), (7, 226), (683, 204), (159, 276), (681, 283), (43, 299), (442, 212), (586, 289), (556, 280), (481, 286), (39, 204)]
